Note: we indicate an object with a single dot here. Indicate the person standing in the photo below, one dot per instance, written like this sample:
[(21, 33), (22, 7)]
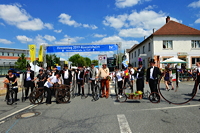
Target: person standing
[(80, 80), (11, 78), (28, 80), (132, 76), (119, 78), (41, 78), (152, 76), (126, 73), (93, 74), (54, 71), (103, 75), (49, 83), (140, 77), (66, 75)]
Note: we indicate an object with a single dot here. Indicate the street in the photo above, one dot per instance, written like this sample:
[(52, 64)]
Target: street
[(104, 115)]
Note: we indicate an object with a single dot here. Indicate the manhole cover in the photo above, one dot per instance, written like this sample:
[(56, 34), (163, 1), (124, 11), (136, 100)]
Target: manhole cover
[(27, 115)]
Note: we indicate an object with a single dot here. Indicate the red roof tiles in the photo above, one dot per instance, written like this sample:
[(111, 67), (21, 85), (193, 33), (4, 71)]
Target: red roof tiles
[(175, 28)]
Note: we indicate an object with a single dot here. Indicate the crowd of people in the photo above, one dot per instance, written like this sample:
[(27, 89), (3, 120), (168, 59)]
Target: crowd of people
[(46, 78)]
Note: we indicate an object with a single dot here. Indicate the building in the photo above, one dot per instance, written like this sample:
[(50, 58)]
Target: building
[(171, 40), (8, 57)]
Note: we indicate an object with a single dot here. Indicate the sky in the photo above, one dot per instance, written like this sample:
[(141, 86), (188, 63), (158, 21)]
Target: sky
[(71, 22)]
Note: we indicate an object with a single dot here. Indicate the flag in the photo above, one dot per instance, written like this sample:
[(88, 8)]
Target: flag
[(125, 63), (32, 51), (41, 54)]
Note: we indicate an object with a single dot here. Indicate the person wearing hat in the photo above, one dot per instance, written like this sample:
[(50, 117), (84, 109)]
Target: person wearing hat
[(127, 75), (80, 74), (28, 80), (132, 76), (66, 75), (92, 75), (54, 71), (49, 83), (152, 76), (103, 74), (140, 77), (41, 77)]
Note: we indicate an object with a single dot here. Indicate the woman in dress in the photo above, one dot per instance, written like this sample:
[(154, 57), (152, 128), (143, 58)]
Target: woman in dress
[(167, 78), (12, 78)]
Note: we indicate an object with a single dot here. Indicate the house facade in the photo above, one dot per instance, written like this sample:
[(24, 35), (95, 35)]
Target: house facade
[(172, 40)]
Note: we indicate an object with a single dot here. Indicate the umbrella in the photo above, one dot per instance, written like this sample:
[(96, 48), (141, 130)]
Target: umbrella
[(173, 60)]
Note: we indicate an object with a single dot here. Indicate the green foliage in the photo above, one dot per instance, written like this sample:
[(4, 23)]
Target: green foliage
[(52, 60), (79, 60), (95, 62), (21, 62)]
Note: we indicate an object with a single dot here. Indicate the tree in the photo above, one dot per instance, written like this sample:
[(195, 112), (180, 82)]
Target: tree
[(21, 62), (74, 59), (95, 62), (52, 60), (87, 61)]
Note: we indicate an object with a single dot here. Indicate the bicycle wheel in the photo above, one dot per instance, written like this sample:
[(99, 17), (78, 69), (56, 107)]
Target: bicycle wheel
[(122, 98), (96, 93), (11, 97), (154, 97), (36, 97), (63, 96)]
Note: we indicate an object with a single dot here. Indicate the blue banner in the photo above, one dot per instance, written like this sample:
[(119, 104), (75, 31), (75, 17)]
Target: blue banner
[(82, 48)]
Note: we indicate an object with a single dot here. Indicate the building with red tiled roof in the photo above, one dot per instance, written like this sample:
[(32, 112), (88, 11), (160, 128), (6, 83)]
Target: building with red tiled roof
[(8, 57), (172, 40)]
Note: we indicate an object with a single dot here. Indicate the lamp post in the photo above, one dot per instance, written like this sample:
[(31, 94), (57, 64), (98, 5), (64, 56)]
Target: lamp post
[(68, 52)]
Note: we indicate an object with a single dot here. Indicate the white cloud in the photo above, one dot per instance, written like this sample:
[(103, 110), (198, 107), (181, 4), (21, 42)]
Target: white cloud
[(100, 35), (15, 15), (24, 39), (4, 41), (49, 38), (58, 31), (49, 26), (126, 3), (66, 19), (150, 7), (39, 40), (197, 21), (137, 24), (69, 40), (114, 39), (194, 4), (115, 21), (134, 32)]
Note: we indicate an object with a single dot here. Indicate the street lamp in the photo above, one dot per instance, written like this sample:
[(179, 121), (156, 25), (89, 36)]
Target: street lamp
[(68, 52)]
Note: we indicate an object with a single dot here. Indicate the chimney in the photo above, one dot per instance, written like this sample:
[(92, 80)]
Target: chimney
[(154, 29), (167, 19)]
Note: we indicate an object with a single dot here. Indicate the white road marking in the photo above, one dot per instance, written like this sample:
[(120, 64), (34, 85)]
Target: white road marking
[(186, 106), (2, 122), (123, 124), (17, 112)]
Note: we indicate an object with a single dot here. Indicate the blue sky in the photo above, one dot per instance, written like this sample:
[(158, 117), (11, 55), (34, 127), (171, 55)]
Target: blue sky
[(60, 22)]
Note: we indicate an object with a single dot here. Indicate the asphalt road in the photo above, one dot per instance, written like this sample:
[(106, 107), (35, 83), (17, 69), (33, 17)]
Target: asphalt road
[(105, 115)]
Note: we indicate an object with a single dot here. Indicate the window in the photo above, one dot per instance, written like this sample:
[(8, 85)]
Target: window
[(15, 54), (194, 60), (195, 43), (2, 53), (135, 53), (167, 44), (143, 51), (5, 54), (132, 55), (138, 52), (149, 46)]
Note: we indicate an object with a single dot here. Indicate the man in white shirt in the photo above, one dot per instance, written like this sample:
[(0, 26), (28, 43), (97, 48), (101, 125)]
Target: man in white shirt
[(49, 83), (92, 74), (66, 75)]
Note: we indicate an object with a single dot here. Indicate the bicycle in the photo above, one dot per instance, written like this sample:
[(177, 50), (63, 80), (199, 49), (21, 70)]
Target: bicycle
[(11, 95), (97, 91)]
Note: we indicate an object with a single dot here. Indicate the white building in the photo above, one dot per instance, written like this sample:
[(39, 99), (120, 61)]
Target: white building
[(171, 40), (8, 57)]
